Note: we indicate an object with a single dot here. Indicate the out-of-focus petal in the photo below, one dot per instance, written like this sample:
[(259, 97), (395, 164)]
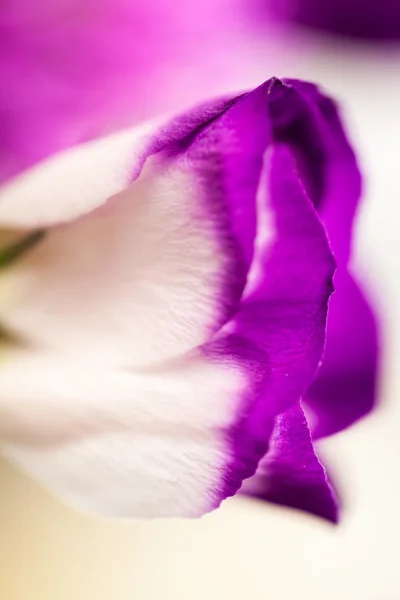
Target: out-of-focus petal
[(241, 324), (290, 473), (279, 330), (369, 19), (345, 388), (72, 71)]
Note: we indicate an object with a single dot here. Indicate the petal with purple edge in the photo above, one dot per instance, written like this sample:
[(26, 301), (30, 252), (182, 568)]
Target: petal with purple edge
[(179, 434), (290, 474), (176, 243), (142, 280), (345, 387), (72, 72), (120, 443), (336, 174), (278, 332)]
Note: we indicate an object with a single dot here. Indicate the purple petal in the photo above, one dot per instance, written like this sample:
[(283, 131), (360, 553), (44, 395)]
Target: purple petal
[(345, 387), (335, 177), (371, 19), (64, 69), (255, 169), (190, 266), (261, 318), (74, 71), (290, 473), (279, 330)]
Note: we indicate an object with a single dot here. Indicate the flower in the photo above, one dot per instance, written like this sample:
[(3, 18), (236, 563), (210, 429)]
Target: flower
[(165, 306), (368, 19)]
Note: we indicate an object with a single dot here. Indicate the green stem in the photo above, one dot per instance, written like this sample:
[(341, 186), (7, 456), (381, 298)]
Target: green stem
[(9, 254)]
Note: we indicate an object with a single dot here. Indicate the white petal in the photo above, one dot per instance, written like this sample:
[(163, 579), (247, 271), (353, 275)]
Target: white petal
[(140, 280), (73, 182), (117, 443)]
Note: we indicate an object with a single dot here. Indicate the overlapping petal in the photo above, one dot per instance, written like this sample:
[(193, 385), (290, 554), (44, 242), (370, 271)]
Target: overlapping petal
[(164, 261), (74, 71), (345, 387), (175, 312), (291, 474), (279, 329)]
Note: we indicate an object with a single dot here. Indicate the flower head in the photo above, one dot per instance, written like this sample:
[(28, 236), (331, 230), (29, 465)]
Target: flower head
[(164, 330)]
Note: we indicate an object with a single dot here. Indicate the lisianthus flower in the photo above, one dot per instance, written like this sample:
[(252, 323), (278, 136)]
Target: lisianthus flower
[(164, 297), (368, 19)]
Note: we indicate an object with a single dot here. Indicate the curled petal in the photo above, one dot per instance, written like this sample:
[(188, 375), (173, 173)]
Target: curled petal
[(331, 168), (279, 330), (346, 384)]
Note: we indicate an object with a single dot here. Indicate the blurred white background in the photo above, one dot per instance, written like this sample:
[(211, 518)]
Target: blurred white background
[(247, 549)]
